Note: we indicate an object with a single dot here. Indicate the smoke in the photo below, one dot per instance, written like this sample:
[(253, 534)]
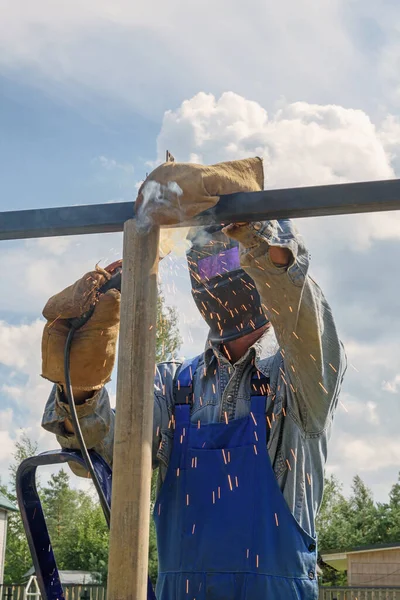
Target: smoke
[(158, 203), (174, 240)]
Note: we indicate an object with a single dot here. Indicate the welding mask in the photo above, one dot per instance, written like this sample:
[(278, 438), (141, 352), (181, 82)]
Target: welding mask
[(225, 295)]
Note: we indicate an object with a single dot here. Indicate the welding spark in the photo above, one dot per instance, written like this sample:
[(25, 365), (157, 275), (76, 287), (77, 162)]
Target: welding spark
[(325, 390)]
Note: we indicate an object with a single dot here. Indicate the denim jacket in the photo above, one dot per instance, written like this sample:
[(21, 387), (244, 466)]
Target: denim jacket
[(302, 357)]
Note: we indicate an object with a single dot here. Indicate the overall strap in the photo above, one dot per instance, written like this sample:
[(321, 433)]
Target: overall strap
[(259, 393), (183, 389), (183, 400)]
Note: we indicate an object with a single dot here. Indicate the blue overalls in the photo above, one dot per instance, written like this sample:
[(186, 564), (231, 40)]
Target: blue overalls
[(224, 530)]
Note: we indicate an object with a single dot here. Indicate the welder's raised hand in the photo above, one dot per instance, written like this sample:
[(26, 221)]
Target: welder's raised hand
[(94, 345), (176, 192)]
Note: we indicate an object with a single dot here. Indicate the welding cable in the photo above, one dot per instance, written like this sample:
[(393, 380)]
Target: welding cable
[(77, 428), (75, 324)]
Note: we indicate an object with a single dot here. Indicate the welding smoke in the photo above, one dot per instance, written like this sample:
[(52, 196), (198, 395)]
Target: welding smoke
[(156, 199)]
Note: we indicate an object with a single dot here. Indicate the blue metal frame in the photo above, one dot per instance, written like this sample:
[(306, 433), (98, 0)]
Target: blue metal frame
[(34, 520)]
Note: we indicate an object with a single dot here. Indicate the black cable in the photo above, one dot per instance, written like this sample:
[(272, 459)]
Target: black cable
[(113, 283), (77, 428)]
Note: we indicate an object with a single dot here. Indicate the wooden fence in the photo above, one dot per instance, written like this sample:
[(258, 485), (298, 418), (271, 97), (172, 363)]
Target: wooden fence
[(71, 592), (346, 593), (98, 592)]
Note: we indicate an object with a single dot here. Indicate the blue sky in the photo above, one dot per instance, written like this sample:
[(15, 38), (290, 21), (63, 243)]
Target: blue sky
[(93, 93)]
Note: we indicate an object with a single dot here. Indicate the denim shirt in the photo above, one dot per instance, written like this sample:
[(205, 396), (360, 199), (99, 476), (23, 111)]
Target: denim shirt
[(300, 354)]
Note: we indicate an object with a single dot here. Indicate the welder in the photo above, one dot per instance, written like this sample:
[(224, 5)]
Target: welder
[(241, 431)]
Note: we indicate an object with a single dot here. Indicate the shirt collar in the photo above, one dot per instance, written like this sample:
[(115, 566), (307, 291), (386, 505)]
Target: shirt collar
[(264, 347)]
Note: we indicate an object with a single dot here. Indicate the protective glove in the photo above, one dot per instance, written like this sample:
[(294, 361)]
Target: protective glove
[(175, 192), (94, 345)]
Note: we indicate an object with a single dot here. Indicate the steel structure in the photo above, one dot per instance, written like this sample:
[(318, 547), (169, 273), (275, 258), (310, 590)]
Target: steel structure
[(315, 201)]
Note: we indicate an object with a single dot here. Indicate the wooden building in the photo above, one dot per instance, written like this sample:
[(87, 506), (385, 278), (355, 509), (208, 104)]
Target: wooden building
[(369, 566)]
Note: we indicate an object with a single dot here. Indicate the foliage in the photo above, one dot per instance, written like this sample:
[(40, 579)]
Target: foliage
[(346, 523), (153, 558), (168, 339), (18, 559)]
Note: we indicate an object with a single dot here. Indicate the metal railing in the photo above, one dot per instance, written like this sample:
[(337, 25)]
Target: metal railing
[(98, 592), (359, 593), (71, 592)]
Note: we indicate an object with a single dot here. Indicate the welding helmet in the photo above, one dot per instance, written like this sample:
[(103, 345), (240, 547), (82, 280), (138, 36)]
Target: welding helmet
[(225, 295)]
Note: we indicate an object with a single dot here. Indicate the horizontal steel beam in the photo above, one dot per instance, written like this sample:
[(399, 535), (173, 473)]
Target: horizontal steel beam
[(298, 202)]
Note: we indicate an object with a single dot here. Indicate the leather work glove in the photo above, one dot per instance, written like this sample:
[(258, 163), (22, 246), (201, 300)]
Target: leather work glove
[(94, 345), (175, 192)]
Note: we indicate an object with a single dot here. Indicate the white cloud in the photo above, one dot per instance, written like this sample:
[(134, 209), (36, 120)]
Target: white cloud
[(6, 446), (362, 455), (110, 164), (360, 410), (6, 417), (134, 54), (301, 144), (392, 386), (19, 345), (12, 390), (37, 269)]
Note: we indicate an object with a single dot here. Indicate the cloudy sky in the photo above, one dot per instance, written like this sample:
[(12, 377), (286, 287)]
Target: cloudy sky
[(92, 93)]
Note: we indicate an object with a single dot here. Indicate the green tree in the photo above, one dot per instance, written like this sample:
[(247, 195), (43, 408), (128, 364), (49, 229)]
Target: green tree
[(332, 521), (390, 515), (168, 339), (343, 524), (153, 557), (332, 527), (85, 545), (18, 559), (61, 507), (363, 516)]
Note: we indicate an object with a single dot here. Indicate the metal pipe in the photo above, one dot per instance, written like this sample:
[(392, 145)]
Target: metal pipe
[(338, 199)]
